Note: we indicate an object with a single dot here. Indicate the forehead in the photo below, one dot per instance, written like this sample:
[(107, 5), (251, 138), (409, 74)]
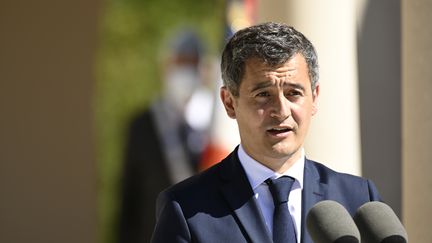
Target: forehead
[(295, 69)]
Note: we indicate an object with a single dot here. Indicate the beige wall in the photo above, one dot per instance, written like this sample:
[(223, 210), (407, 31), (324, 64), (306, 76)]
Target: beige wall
[(47, 165), (417, 118)]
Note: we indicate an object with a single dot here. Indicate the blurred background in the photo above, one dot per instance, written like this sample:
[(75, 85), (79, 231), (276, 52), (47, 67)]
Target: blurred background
[(92, 93)]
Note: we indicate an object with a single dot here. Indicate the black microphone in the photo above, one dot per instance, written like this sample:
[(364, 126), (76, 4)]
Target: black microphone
[(330, 222), (379, 224)]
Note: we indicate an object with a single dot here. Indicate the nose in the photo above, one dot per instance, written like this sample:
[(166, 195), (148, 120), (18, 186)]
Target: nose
[(281, 108)]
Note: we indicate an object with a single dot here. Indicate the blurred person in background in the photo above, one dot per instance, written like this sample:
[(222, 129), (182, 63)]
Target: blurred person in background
[(166, 141)]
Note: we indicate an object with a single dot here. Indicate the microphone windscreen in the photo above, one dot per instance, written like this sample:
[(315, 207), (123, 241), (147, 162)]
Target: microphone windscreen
[(330, 222), (378, 223)]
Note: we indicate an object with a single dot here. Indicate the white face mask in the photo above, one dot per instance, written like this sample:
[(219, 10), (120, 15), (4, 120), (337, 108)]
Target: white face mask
[(180, 84)]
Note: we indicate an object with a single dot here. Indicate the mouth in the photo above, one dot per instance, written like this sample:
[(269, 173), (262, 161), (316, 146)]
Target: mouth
[(280, 131)]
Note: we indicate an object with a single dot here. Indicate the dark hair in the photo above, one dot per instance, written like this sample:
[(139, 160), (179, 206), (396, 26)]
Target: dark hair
[(273, 43)]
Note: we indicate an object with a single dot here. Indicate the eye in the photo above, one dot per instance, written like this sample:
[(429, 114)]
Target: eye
[(263, 94), (294, 93)]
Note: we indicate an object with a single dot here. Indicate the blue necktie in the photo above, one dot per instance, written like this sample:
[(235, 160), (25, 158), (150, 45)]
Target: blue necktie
[(283, 226)]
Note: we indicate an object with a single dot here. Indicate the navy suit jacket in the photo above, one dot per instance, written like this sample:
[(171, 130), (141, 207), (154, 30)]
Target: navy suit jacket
[(218, 205)]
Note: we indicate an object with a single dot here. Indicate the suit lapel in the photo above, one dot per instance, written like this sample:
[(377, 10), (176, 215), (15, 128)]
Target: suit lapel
[(314, 190), (239, 195)]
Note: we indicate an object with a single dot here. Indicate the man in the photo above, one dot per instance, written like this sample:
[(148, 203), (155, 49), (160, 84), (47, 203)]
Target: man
[(270, 74)]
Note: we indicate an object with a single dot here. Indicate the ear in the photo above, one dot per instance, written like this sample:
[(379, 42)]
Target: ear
[(315, 94), (228, 101)]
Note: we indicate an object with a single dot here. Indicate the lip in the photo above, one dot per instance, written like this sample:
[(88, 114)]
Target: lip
[(280, 131)]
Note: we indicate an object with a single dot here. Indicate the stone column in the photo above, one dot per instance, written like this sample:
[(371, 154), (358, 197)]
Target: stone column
[(47, 154), (417, 118)]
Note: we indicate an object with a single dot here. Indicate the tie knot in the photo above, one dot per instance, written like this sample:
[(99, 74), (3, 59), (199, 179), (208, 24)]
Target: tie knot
[(280, 188)]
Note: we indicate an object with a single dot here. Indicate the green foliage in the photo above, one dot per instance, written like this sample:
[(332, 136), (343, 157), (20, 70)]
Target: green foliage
[(128, 73)]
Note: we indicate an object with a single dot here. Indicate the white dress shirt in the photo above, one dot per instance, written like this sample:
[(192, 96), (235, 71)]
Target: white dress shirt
[(258, 173)]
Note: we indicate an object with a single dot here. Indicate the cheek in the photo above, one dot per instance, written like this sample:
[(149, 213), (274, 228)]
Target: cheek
[(251, 118), (264, 110), (251, 110), (301, 114), (261, 112)]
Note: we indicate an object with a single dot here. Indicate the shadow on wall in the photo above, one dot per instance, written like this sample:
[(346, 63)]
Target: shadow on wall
[(379, 62)]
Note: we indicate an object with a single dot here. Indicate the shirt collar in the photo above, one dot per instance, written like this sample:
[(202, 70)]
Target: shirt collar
[(257, 173)]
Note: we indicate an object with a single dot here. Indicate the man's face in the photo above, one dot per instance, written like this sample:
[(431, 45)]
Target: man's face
[(273, 110)]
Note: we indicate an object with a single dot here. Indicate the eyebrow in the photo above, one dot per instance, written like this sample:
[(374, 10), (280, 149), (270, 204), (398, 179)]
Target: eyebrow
[(265, 84)]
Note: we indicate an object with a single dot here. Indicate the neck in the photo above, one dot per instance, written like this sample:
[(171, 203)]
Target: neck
[(279, 164)]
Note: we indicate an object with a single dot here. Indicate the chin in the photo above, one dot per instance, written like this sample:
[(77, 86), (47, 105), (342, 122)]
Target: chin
[(280, 153), (281, 150)]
